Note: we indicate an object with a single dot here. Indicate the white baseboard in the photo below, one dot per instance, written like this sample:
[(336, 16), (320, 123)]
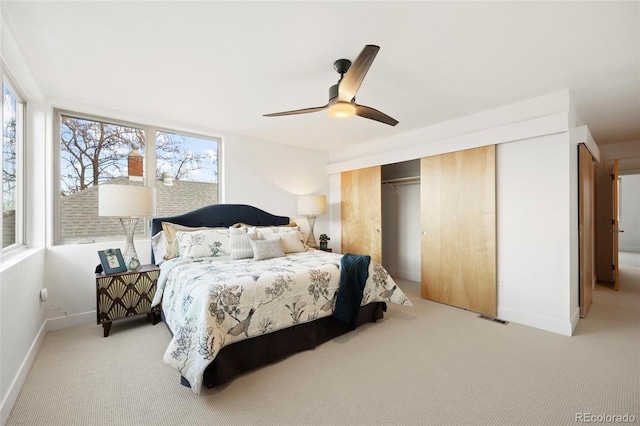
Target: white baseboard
[(544, 323), (21, 377), (48, 325), (574, 319), (71, 320)]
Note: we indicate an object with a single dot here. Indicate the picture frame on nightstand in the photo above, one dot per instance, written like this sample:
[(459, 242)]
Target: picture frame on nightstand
[(112, 261)]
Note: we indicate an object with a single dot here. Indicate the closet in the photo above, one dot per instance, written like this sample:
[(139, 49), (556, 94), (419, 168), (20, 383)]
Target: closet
[(401, 219), (456, 229)]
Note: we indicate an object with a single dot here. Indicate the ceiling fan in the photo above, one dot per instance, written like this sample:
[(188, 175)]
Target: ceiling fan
[(342, 101)]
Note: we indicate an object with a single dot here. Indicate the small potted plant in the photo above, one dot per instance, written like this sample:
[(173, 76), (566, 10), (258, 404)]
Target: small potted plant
[(323, 241)]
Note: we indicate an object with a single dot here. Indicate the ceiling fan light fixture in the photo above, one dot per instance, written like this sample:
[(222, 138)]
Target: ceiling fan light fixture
[(342, 110)]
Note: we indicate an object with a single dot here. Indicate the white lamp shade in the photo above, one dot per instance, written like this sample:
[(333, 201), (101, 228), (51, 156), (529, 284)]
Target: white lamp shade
[(312, 204), (126, 200)]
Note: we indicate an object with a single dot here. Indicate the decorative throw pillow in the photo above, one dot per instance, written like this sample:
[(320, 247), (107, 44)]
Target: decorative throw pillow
[(206, 243), (271, 232), (240, 243), (170, 230), (266, 249), (159, 246), (291, 242)]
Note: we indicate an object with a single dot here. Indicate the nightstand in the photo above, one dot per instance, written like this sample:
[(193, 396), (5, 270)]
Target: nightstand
[(125, 295), (326, 249)]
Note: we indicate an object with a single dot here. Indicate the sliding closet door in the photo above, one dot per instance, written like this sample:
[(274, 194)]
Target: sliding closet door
[(361, 211), (458, 221)]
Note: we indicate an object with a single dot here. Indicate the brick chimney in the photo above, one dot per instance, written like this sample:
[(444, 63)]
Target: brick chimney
[(135, 164)]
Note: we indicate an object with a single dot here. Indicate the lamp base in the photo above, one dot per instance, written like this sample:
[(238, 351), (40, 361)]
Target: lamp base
[(130, 256), (311, 240)]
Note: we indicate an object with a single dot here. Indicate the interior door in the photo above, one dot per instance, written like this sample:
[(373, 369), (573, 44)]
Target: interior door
[(614, 222), (458, 221), (361, 211), (586, 225)]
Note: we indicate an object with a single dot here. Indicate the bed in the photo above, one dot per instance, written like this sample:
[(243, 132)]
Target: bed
[(230, 311)]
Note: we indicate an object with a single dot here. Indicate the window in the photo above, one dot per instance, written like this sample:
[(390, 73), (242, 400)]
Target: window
[(186, 171), (95, 151), (12, 166)]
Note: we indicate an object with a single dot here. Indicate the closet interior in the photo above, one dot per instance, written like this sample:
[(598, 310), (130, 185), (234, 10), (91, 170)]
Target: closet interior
[(401, 219)]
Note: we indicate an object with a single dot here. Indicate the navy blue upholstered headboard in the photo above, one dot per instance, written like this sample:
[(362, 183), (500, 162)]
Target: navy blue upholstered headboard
[(220, 215)]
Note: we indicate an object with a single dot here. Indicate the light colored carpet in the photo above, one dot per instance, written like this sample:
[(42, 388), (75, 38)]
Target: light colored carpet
[(430, 364)]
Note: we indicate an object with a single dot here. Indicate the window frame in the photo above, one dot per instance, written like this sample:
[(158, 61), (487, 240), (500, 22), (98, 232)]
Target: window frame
[(149, 167), (21, 140)]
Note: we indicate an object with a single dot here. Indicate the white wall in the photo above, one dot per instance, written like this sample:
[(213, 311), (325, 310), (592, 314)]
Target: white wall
[(630, 213), (22, 274), (533, 232), (536, 200)]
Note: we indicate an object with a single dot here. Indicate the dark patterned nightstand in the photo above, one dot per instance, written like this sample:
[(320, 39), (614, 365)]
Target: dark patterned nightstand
[(126, 294), (326, 249)]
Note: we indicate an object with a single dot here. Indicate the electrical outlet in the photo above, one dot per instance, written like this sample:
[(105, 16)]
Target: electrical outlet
[(44, 295)]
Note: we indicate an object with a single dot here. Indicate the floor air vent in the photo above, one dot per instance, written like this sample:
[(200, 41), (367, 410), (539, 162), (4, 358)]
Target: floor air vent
[(499, 321)]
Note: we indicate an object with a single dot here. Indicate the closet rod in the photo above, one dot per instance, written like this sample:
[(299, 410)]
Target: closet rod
[(407, 180)]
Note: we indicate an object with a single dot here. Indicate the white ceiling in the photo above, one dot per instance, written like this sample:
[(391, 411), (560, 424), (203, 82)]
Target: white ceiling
[(223, 65)]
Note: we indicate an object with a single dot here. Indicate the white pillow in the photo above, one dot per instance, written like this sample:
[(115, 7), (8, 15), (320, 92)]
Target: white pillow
[(170, 230), (272, 232), (205, 243), (159, 246), (266, 249), (240, 243), (292, 242)]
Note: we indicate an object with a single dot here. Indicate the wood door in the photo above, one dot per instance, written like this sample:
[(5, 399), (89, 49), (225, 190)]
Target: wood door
[(614, 222), (587, 226), (458, 220), (361, 210)]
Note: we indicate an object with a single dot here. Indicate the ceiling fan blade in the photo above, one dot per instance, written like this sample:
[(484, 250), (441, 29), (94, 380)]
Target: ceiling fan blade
[(352, 80), (296, 111), (374, 114)]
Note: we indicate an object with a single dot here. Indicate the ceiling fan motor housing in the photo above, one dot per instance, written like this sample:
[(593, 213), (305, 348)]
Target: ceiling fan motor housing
[(342, 66)]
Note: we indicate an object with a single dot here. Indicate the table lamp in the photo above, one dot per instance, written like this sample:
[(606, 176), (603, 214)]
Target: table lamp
[(129, 203), (310, 206)]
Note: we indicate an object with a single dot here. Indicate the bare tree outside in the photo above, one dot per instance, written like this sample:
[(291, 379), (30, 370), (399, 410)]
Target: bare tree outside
[(9, 167), (94, 152), (185, 158)]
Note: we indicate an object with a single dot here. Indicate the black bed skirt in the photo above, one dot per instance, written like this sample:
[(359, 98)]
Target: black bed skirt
[(249, 354)]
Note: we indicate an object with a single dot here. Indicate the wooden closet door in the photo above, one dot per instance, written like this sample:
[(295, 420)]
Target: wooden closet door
[(361, 210), (458, 220), (615, 224), (586, 225)]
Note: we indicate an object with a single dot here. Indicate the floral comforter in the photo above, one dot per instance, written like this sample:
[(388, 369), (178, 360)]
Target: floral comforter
[(210, 303)]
